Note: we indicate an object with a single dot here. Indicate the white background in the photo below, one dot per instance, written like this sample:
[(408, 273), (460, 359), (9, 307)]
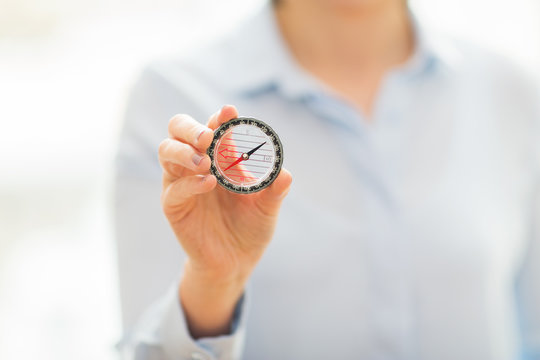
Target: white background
[(65, 68)]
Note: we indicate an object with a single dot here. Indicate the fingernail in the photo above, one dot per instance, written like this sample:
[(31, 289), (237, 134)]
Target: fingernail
[(197, 158), (200, 134)]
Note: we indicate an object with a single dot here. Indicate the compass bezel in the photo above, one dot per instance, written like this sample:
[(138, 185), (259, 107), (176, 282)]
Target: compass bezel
[(276, 166)]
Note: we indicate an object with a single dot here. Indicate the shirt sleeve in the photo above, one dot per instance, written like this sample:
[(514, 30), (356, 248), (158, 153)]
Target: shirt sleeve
[(162, 333), (149, 256)]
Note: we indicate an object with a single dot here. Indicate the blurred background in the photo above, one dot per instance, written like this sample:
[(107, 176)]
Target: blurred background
[(65, 69)]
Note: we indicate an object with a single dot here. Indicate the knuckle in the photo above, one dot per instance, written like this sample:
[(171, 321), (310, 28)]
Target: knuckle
[(175, 168), (176, 121), (163, 146), (179, 118)]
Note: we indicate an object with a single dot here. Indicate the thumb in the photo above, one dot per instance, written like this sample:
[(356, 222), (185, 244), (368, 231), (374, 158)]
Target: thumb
[(271, 197)]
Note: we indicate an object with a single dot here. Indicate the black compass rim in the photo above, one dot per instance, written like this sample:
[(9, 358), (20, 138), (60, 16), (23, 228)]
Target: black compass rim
[(278, 146)]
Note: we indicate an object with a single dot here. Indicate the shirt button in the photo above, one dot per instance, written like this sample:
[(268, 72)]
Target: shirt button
[(197, 356)]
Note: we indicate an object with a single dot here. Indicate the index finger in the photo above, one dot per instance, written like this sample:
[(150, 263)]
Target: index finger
[(184, 128), (226, 113)]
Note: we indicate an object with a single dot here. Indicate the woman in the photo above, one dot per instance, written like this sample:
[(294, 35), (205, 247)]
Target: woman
[(412, 220)]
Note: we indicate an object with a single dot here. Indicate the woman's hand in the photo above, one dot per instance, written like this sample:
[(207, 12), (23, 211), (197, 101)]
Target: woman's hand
[(224, 234)]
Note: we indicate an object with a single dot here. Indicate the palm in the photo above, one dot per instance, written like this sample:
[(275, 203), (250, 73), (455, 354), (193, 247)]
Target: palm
[(224, 229)]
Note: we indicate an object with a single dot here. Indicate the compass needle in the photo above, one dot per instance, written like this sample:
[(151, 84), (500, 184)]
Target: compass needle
[(246, 155), (240, 159), (249, 153)]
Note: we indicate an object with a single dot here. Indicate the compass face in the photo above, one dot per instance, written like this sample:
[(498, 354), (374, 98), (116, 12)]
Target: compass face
[(246, 155)]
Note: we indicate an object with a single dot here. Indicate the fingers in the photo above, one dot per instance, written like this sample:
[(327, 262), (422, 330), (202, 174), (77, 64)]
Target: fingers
[(181, 190), (187, 144), (226, 113), (182, 155), (184, 128)]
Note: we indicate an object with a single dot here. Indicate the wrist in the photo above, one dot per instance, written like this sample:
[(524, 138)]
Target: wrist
[(217, 277), (208, 300)]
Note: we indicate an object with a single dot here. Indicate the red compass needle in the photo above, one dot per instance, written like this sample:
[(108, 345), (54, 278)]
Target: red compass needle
[(244, 156), (234, 163)]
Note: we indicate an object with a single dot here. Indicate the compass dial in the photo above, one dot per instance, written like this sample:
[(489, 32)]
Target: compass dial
[(246, 155)]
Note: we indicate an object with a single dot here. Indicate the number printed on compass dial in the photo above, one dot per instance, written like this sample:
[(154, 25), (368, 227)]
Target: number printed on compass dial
[(246, 155)]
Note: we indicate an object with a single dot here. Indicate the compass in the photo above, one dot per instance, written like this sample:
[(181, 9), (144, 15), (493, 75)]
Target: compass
[(246, 155)]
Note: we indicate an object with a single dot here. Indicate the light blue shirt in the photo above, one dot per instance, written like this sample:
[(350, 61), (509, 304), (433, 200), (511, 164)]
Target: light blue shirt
[(415, 235)]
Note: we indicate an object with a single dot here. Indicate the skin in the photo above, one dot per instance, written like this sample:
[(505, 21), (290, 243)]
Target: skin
[(349, 45)]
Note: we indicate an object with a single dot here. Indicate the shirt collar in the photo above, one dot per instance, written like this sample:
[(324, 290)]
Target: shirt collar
[(257, 59), (432, 49)]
